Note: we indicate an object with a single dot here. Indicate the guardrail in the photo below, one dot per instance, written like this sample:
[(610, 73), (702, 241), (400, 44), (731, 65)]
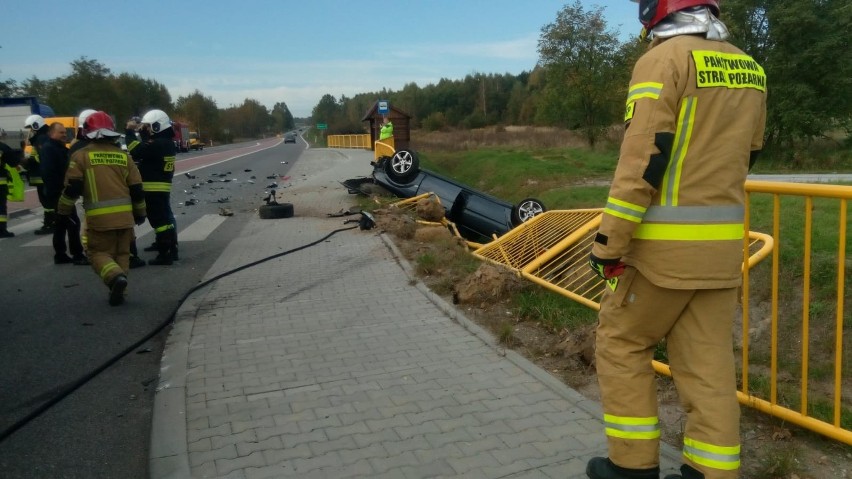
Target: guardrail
[(349, 141), (552, 250)]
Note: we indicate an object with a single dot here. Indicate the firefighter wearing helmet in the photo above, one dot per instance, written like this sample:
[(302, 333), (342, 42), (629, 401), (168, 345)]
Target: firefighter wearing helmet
[(670, 242), (113, 200), (155, 152), (37, 128)]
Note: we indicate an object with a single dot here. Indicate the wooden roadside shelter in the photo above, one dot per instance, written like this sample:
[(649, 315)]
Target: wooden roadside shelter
[(401, 125)]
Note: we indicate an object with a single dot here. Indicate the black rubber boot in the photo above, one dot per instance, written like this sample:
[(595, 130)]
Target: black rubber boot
[(116, 290), (173, 248), (136, 262), (686, 472), (603, 468), (44, 230), (49, 224), (161, 260), (4, 233)]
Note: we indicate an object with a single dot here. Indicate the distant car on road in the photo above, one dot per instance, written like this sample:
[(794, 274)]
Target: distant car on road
[(290, 138), (477, 215)]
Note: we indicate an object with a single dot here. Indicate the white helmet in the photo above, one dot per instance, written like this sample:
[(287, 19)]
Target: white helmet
[(81, 120), (34, 122), (158, 120)]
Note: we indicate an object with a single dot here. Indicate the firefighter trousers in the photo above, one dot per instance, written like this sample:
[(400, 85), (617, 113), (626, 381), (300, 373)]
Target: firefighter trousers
[(109, 252), (697, 326), (159, 216)]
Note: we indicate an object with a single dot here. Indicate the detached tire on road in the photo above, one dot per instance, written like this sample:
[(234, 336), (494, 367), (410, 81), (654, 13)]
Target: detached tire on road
[(271, 212)]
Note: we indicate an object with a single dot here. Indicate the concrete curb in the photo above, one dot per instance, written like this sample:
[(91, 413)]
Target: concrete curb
[(169, 455)]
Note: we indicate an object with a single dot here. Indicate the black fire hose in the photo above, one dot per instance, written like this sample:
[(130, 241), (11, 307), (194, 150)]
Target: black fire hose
[(91, 375)]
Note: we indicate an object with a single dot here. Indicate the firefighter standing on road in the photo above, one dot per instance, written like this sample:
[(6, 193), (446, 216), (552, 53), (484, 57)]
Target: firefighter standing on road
[(54, 163), (38, 136), (155, 153), (9, 158), (671, 243), (111, 187)]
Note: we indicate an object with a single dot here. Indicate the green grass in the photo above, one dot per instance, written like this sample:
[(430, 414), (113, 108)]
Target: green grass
[(552, 175), (552, 310)]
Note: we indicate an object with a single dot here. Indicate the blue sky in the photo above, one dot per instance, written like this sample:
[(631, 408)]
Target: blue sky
[(285, 50)]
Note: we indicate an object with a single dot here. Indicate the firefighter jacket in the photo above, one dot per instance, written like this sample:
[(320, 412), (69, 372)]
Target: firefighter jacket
[(156, 160), (11, 185), (54, 162), (9, 159), (33, 165), (695, 117), (109, 183)]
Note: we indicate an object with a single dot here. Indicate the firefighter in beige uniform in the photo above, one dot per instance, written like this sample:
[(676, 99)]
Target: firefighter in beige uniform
[(671, 243), (113, 200)]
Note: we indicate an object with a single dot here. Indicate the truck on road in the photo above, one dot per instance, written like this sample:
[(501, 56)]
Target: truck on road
[(194, 141), (182, 141), (14, 112)]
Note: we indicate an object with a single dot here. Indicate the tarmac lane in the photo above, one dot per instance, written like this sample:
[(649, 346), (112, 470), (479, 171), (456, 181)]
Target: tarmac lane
[(57, 326), (185, 162)]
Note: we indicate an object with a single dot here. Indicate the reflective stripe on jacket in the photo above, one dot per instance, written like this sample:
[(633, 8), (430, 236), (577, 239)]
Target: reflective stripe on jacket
[(696, 110), (106, 173), (155, 159)]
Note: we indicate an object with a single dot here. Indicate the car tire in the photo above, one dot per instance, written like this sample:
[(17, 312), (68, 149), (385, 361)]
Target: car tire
[(526, 209), (280, 210), (403, 166)]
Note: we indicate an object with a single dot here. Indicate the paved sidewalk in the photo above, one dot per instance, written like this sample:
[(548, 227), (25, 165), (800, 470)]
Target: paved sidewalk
[(334, 362)]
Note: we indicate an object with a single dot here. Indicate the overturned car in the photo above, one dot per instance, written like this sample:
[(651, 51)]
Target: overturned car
[(477, 215)]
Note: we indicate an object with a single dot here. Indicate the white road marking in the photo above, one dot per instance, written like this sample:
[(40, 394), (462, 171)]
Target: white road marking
[(198, 230)]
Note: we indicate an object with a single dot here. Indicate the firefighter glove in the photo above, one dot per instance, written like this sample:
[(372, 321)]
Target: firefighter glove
[(606, 268)]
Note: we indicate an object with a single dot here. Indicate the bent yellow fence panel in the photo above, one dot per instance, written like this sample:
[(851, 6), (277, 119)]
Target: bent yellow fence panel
[(552, 250)]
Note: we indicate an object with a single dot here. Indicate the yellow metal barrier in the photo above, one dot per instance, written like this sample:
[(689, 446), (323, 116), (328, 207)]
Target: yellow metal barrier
[(552, 250), (805, 194), (349, 141)]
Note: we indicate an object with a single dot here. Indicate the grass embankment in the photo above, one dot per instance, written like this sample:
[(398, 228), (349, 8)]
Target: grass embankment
[(578, 177)]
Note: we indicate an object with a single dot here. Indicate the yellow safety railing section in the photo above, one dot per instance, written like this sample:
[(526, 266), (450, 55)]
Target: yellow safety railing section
[(808, 267), (349, 141), (552, 250)]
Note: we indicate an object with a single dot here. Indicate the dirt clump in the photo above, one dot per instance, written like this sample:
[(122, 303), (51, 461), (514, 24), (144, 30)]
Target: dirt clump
[(396, 222), (430, 209), (487, 284), (432, 234)]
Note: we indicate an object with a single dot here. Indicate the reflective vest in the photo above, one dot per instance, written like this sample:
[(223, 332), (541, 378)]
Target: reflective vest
[(386, 131), (695, 115)]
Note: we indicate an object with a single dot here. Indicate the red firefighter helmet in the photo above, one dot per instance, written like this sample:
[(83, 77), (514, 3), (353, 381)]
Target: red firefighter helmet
[(99, 125), (651, 12)]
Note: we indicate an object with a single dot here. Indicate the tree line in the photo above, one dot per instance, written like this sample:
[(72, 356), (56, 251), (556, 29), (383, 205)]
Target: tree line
[(579, 82), (581, 77), (92, 85)]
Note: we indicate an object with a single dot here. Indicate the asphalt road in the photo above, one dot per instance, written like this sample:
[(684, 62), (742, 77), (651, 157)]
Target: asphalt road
[(57, 326)]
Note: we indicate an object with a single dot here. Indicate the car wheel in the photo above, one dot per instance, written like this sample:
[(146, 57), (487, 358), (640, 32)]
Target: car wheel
[(403, 166), (271, 212), (526, 209)]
